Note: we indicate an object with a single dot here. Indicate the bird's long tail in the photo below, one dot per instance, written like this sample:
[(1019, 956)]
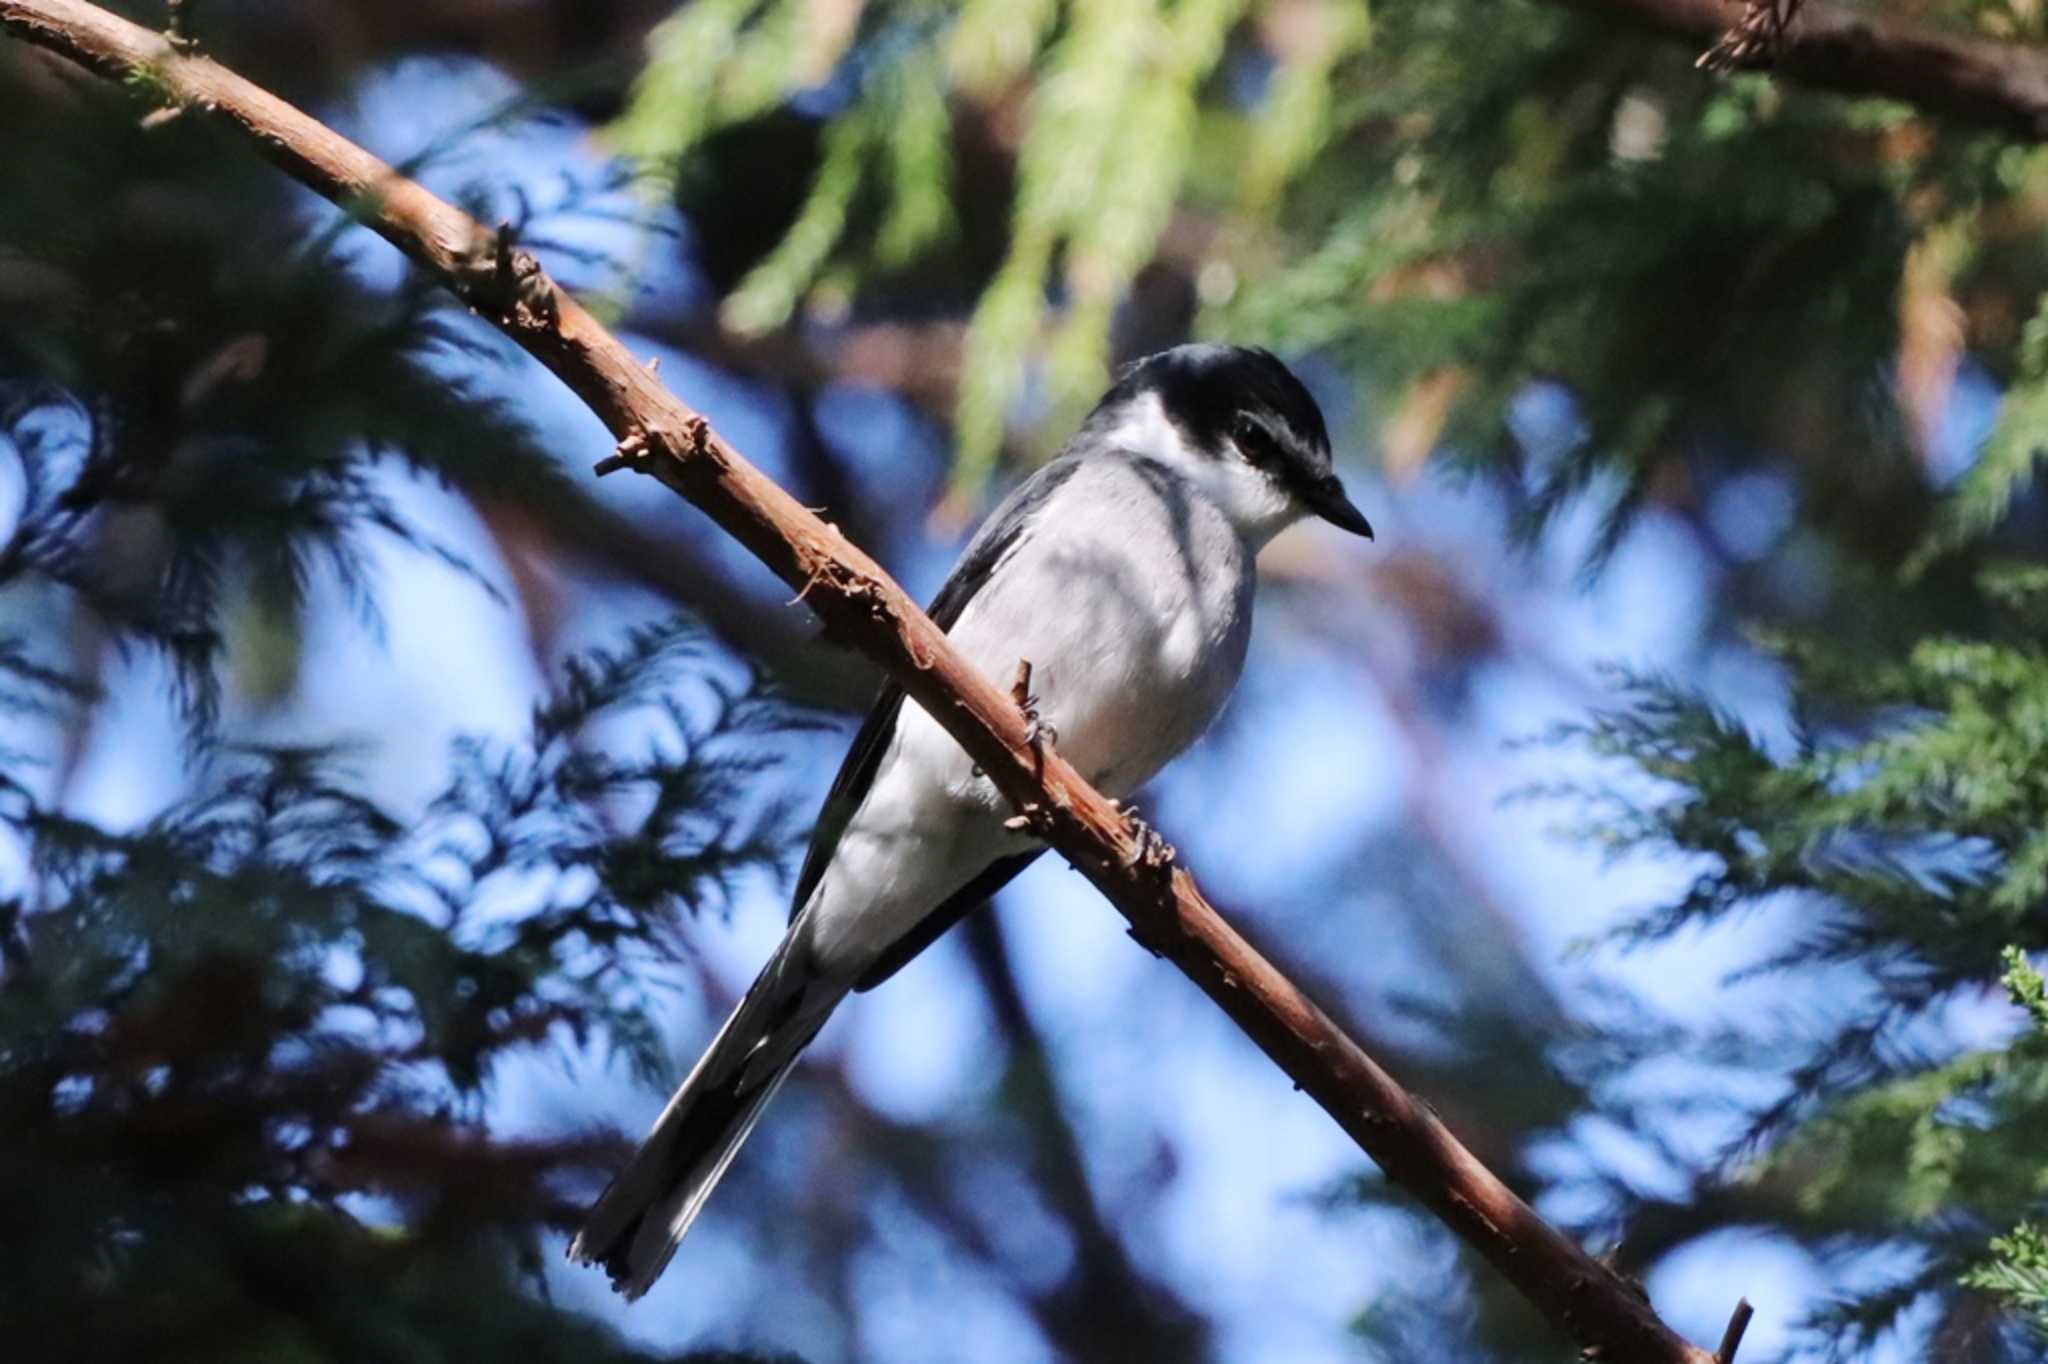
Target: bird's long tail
[(636, 1225)]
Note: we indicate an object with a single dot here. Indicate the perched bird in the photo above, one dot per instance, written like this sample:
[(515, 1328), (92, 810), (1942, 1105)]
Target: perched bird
[(1123, 572)]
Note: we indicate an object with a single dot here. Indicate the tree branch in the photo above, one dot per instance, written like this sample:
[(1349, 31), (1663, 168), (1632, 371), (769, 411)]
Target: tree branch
[(860, 606), (2001, 85), (1127, 1314)]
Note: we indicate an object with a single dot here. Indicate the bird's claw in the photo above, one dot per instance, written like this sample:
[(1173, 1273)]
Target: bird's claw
[(1149, 847), (178, 27), (1038, 731)]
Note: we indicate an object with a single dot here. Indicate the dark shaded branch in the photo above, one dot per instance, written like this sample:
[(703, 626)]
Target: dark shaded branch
[(1829, 47), (613, 546), (1104, 1308), (1731, 1339), (865, 609), (1124, 1313), (1161, 1327)]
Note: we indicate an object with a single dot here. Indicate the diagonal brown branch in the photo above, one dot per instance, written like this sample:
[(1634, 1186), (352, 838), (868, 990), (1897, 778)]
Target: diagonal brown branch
[(1830, 47), (863, 608)]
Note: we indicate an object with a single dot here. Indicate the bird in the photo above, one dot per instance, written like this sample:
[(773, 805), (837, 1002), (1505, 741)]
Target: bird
[(1122, 572)]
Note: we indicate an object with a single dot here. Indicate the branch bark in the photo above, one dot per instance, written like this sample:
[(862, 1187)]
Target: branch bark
[(2000, 85), (861, 607)]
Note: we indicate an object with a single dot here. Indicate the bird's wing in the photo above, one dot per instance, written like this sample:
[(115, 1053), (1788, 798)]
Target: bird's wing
[(997, 537), (950, 911)]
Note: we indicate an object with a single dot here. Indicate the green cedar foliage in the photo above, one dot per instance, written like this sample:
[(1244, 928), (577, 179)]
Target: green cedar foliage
[(2017, 1270), (1478, 194), (246, 1046), (1898, 838), (204, 392)]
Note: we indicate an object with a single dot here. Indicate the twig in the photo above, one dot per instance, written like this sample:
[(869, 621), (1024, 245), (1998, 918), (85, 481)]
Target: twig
[(1122, 1312), (1754, 43), (862, 607), (1832, 47), (1731, 1339)]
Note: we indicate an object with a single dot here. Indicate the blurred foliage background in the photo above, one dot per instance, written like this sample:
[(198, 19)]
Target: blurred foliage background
[(389, 807)]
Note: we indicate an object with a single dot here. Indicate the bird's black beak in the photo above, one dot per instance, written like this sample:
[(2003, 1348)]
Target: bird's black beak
[(1326, 499)]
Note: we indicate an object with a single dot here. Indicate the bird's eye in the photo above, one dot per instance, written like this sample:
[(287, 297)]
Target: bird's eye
[(1256, 442)]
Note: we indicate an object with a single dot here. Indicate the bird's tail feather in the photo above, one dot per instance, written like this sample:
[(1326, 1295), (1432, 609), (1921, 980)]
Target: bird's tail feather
[(643, 1214)]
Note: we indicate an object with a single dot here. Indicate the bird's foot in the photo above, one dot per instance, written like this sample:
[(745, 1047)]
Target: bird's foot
[(179, 27), (1038, 731), (1149, 847)]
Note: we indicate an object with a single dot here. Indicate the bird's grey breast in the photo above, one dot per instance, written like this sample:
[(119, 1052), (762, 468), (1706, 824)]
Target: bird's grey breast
[(1129, 593), (1131, 596)]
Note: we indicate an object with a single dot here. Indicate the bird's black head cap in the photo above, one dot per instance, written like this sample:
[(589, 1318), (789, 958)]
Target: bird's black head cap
[(1242, 402)]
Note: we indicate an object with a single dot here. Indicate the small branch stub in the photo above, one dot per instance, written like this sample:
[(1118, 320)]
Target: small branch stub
[(1037, 733), (630, 454), (1731, 1339)]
